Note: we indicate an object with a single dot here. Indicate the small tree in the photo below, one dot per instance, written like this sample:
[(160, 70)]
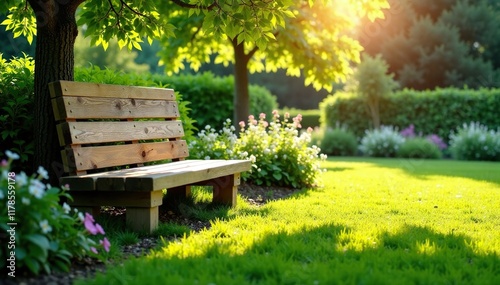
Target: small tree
[(372, 82)]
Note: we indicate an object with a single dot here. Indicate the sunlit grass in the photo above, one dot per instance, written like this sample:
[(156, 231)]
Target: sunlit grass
[(375, 221)]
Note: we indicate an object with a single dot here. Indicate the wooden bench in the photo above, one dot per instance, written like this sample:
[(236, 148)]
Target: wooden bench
[(102, 127)]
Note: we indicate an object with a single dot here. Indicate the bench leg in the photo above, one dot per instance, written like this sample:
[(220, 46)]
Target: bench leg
[(178, 193), (142, 219), (225, 189)]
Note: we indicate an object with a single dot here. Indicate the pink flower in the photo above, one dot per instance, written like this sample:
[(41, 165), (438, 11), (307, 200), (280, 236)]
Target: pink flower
[(242, 124), (93, 249), (106, 244), (99, 229), (287, 115), (3, 163), (262, 116), (309, 130), (88, 222), (251, 118)]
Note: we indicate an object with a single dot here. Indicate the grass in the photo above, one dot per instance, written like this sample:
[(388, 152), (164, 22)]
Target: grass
[(375, 221)]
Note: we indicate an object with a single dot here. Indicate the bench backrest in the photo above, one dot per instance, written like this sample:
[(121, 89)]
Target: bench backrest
[(102, 125)]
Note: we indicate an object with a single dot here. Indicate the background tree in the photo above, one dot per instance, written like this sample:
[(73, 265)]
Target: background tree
[(438, 43), (371, 82)]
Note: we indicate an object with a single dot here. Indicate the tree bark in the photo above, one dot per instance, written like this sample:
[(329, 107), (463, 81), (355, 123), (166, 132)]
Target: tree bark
[(241, 81), (54, 60)]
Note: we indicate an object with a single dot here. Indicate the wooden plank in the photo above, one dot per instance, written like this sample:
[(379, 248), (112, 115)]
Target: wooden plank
[(113, 108), (126, 199), (72, 88), (168, 178), (103, 132), (86, 158)]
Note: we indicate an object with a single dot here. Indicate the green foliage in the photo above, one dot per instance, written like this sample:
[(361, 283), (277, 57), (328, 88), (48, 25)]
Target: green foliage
[(280, 156), (382, 142), (16, 103), (338, 141), (211, 97), (371, 82), (475, 142), (419, 148), (43, 234), (113, 58), (431, 112), (444, 43)]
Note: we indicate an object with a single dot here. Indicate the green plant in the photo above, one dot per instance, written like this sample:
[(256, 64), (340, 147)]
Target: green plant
[(16, 105), (475, 142), (419, 148), (431, 112), (338, 141), (280, 155), (383, 142), (43, 234)]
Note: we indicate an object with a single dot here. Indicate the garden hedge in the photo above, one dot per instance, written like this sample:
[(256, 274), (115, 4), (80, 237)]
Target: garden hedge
[(431, 112)]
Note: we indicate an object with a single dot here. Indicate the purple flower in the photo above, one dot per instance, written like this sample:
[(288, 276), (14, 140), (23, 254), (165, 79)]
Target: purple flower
[(93, 249), (408, 132), (106, 244), (99, 229), (435, 139)]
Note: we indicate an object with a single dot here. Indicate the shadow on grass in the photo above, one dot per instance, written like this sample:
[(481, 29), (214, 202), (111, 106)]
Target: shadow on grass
[(421, 168), (330, 254)]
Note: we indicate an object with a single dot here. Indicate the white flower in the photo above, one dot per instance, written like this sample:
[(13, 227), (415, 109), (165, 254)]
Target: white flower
[(36, 188), (12, 155), (42, 172), (46, 228), (66, 208), (207, 157), (25, 201), (1, 195), (21, 179), (81, 216)]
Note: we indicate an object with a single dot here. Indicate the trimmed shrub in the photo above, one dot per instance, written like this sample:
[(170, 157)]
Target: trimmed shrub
[(338, 141), (383, 142), (431, 112), (419, 148), (475, 142)]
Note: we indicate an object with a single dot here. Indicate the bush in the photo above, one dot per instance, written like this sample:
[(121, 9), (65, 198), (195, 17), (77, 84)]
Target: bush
[(475, 142), (42, 234), (419, 148), (383, 142), (432, 112), (16, 103), (212, 97), (279, 155), (338, 141)]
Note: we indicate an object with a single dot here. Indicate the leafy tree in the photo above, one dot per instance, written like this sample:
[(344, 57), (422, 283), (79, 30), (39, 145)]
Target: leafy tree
[(372, 82), (249, 26), (315, 41)]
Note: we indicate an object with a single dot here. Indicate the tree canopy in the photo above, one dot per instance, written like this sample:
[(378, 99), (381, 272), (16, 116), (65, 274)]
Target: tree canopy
[(439, 43)]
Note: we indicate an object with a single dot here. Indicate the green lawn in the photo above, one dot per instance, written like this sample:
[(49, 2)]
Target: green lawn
[(375, 221)]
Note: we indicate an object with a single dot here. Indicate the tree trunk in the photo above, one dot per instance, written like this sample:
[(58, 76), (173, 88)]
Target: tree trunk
[(54, 60), (241, 81)]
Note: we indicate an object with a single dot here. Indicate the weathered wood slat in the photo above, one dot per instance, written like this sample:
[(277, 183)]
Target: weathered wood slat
[(156, 177), (112, 108), (86, 89), (86, 158), (104, 132)]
